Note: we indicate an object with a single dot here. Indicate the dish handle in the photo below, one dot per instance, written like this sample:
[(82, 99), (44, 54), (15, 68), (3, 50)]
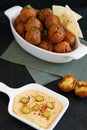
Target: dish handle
[(80, 52), (5, 89), (12, 11)]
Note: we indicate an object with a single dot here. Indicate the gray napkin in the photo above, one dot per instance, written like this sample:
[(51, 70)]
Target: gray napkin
[(38, 68)]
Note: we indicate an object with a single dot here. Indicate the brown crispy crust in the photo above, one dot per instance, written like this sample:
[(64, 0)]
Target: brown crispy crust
[(67, 83), (62, 47), (81, 89)]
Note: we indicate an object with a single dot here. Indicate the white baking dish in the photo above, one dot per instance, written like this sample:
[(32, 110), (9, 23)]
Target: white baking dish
[(79, 51)]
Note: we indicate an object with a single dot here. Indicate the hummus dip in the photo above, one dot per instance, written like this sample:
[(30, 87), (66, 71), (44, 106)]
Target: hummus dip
[(37, 107)]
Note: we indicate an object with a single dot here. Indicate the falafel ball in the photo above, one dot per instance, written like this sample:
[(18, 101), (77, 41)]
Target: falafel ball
[(33, 36), (20, 28), (44, 13), (33, 23), (62, 47), (70, 38), (17, 20), (46, 44), (27, 12), (67, 83), (52, 19), (56, 34), (81, 89)]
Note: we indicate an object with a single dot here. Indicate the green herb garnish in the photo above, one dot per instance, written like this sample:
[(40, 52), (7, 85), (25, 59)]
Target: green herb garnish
[(28, 6), (32, 30), (44, 33)]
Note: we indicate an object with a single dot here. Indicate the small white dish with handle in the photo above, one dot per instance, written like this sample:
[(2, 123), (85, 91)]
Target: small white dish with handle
[(12, 92)]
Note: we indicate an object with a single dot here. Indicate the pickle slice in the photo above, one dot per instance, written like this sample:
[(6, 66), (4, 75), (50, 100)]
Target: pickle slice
[(46, 113), (36, 107), (25, 110), (39, 98), (50, 105), (24, 100)]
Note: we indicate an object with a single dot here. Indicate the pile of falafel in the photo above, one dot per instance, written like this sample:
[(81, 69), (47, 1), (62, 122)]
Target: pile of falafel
[(43, 29)]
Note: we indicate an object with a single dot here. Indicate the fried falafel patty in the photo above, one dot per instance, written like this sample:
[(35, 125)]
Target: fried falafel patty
[(52, 19), (62, 47), (56, 34), (67, 83), (33, 36), (33, 23), (47, 45), (70, 38), (44, 13), (81, 89), (27, 12)]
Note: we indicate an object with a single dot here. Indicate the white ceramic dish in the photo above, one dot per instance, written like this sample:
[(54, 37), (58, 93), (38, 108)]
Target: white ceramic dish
[(13, 92), (79, 51)]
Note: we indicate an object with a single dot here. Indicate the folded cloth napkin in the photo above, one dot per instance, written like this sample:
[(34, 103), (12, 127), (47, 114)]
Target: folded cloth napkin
[(39, 68)]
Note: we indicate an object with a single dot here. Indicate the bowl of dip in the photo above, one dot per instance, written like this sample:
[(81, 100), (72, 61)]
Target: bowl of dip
[(36, 105)]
